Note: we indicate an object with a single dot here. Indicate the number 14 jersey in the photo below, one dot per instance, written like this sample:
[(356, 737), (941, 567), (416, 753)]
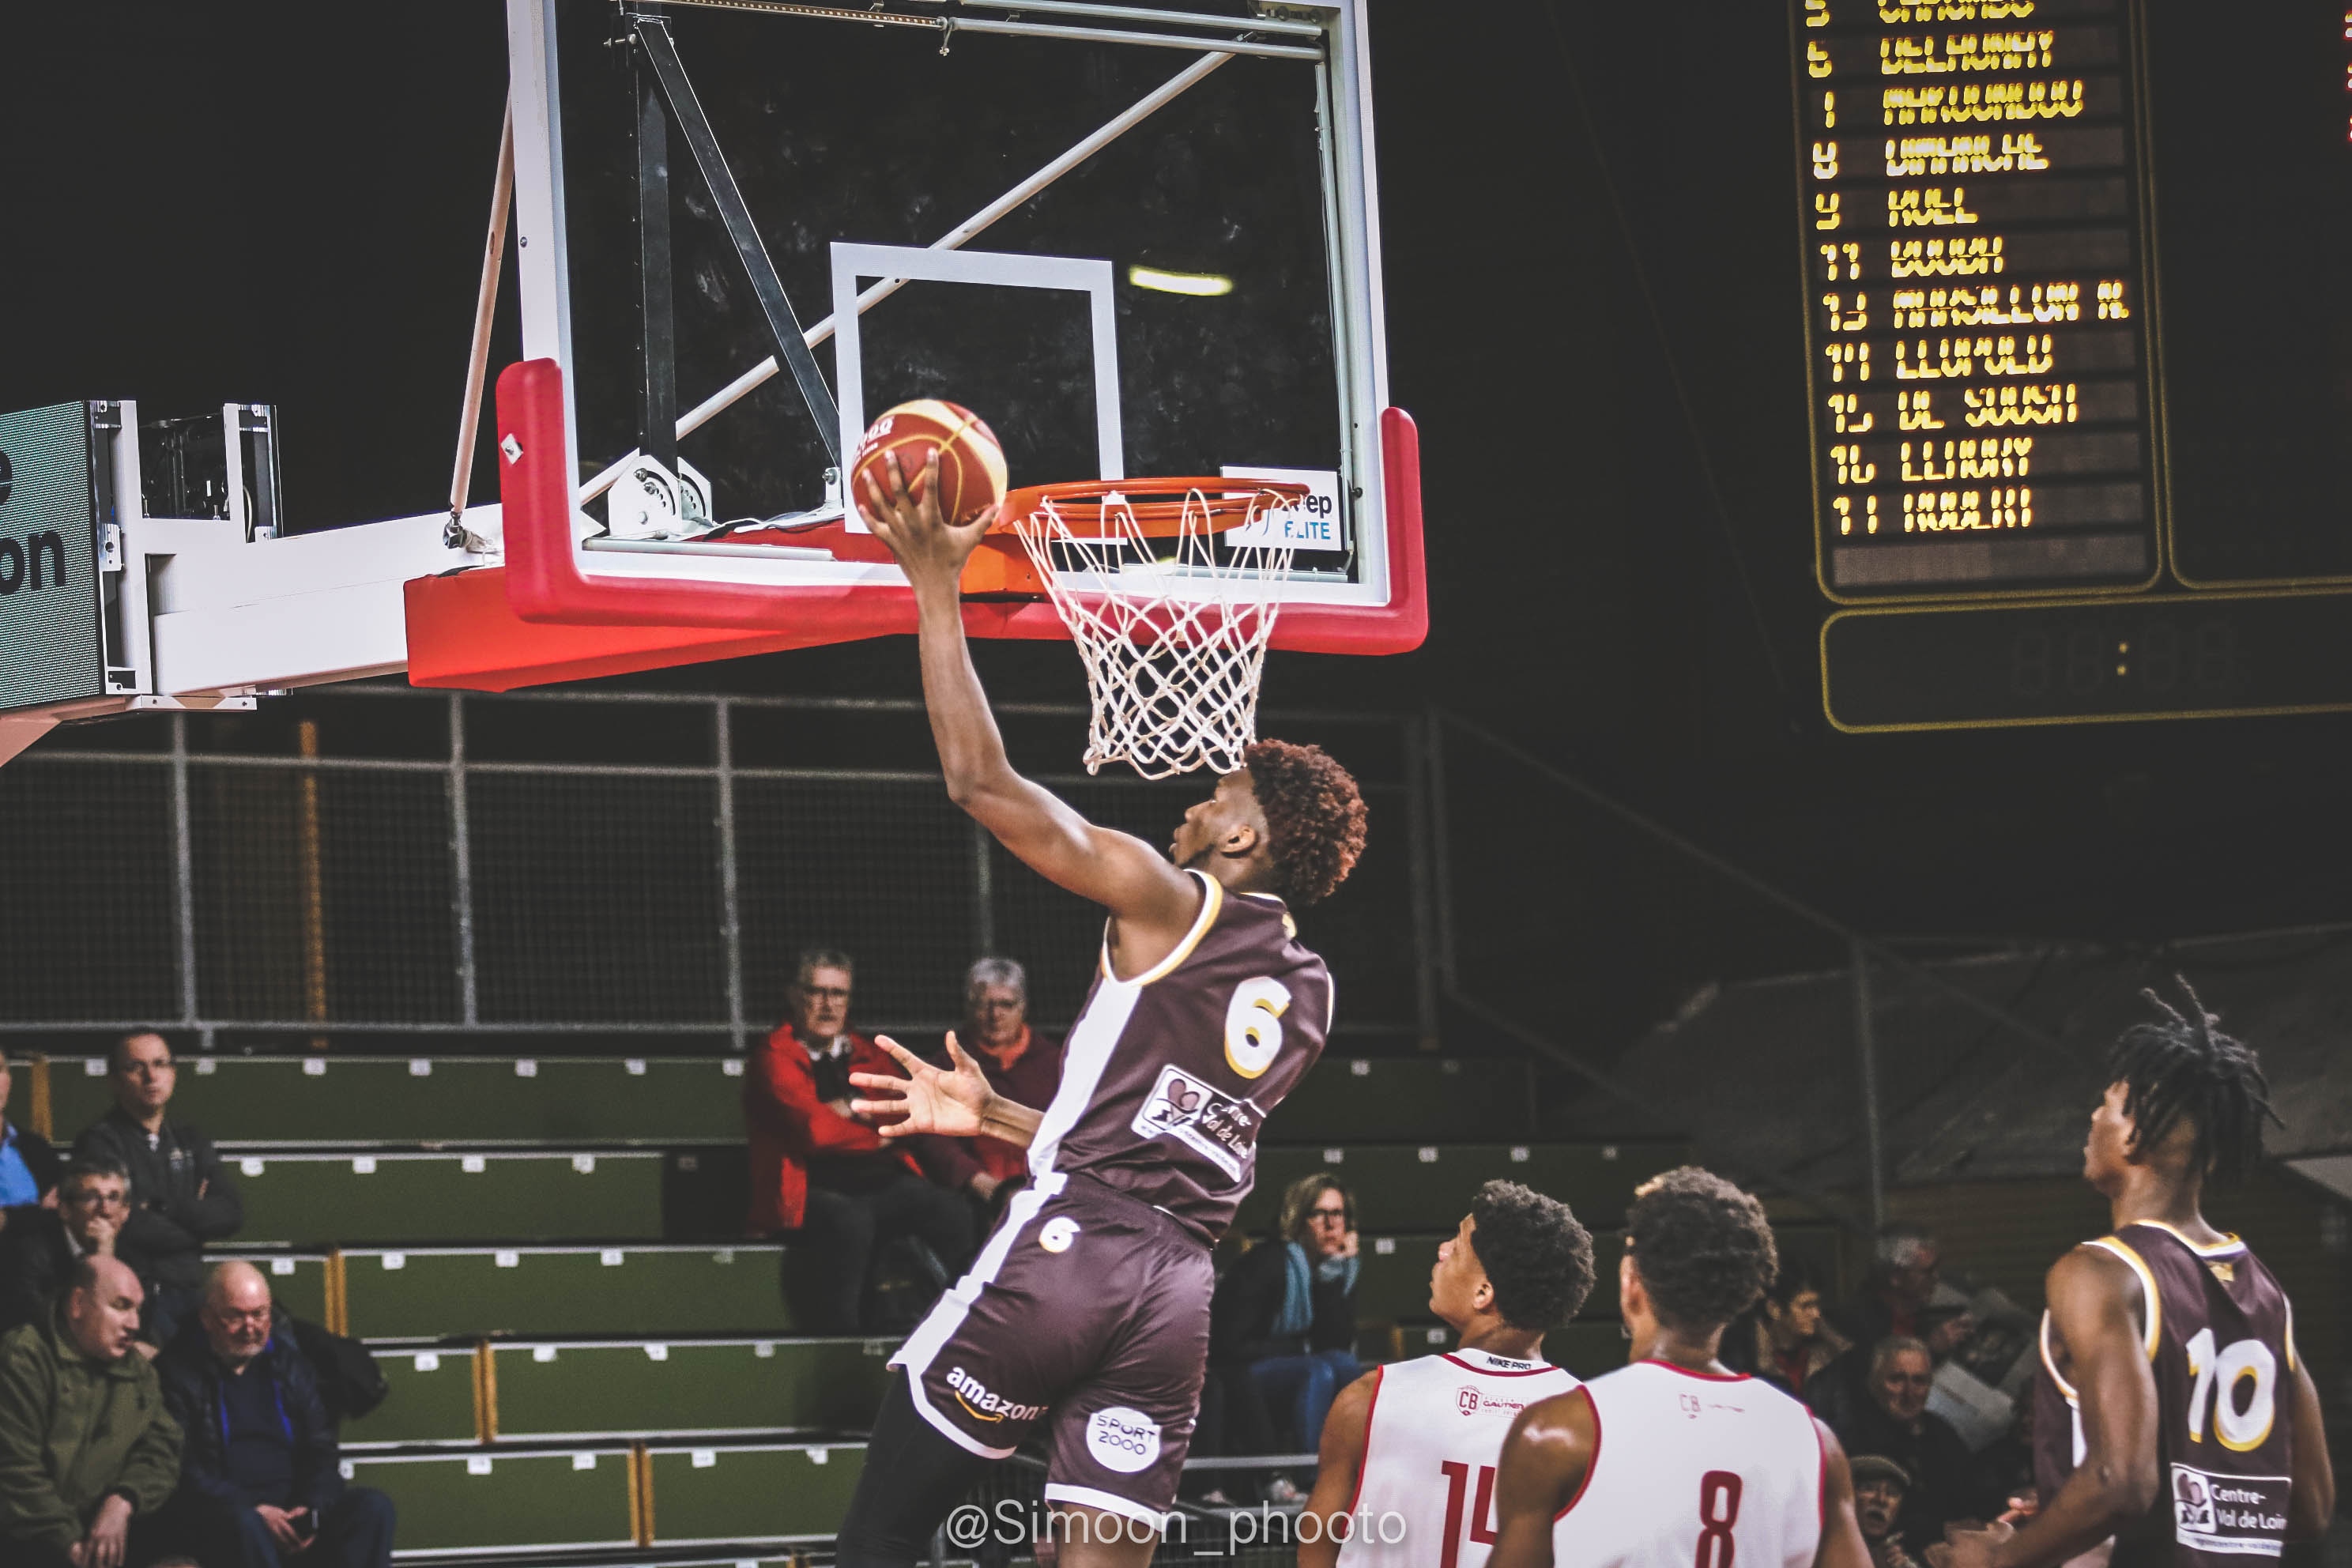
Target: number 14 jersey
[(1694, 1470), (1425, 1481)]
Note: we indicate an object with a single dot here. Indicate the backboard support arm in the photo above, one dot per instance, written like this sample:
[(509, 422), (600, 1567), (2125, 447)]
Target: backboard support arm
[(657, 320), (661, 52)]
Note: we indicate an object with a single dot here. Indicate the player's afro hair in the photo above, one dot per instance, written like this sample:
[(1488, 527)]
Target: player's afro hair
[(1536, 1255), (1313, 817), (1704, 1248)]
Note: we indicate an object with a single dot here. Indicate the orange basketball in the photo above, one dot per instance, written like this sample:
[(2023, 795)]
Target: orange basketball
[(971, 464)]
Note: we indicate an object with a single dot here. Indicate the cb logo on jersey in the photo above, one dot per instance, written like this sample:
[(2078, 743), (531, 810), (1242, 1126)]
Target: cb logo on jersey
[(1466, 1401)]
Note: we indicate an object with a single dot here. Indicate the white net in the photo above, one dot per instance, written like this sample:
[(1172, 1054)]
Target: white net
[(1173, 628)]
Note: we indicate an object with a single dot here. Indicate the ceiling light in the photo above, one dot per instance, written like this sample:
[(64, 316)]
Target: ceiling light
[(1202, 285)]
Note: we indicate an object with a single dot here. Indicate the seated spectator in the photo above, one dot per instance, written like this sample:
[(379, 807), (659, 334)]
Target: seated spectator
[(261, 1483), (1945, 1482), (1879, 1484), (820, 1171), (42, 1247), (28, 1166), (1020, 1063), (1285, 1311), (181, 1197), (88, 1452), (1783, 1339)]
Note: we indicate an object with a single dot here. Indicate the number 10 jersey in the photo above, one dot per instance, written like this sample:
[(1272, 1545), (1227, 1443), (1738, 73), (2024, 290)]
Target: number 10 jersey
[(2220, 1337)]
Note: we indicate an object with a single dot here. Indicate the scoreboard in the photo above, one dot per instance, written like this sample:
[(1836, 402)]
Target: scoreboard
[(2078, 303), (1979, 345)]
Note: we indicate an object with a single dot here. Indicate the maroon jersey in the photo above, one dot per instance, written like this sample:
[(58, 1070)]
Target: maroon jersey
[(2220, 1336), (1167, 1077)]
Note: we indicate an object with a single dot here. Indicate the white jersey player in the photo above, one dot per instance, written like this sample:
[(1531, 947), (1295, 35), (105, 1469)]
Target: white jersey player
[(1410, 1450), (1673, 1461)]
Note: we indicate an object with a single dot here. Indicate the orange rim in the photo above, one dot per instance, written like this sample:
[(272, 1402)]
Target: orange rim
[(1159, 505)]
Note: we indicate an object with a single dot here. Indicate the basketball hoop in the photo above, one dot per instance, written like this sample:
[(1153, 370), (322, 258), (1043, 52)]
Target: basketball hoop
[(1174, 639)]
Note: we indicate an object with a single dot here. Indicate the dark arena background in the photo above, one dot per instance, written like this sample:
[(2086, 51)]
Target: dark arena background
[(1745, 805)]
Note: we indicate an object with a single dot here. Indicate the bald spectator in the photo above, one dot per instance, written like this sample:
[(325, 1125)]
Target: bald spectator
[(261, 1482), (180, 1196), (1022, 1064), (823, 1173), (28, 1166), (41, 1248), (88, 1452)]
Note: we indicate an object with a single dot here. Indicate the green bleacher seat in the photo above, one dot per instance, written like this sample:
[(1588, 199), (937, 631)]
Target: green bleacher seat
[(760, 1492), (1364, 1101), (477, 1504), (550, 1291), (450, 1197), (646, 1388), (433, 1399), (310, 1101), (297, 1280), (1402, 1187)]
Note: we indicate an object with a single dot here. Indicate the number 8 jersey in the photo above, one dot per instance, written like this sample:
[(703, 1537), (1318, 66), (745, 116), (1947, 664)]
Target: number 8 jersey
[(1694, 1470), (2219, 1336)]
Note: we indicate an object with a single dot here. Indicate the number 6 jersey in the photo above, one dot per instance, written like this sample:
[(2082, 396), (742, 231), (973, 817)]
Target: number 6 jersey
[(1694, 1470), (1167, 1077), (2219, 1336)]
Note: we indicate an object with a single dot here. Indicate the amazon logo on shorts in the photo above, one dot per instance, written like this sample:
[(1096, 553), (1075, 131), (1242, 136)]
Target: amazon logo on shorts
[(989, 1405), (22, 560)]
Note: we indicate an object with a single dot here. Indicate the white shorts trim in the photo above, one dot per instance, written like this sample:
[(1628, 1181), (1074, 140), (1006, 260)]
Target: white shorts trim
[(1107, 1503), (947, 1315)]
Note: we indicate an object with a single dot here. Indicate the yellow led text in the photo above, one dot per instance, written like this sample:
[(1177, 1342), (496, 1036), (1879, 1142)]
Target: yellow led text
[(1978, 101), (1845, 505), (2009, 457), (1919, 11), (1946, 512), (1850, 468), (1929, 208), (1946, 257), (1965, 52), (1915, 155), (1983, 306), (2050, 405), (1845, 408), (1957, 359), (1917, 410), (1841, 355)]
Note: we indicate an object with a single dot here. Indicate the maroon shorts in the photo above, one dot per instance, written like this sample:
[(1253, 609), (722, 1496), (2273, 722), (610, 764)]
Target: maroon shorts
[(1088, 1312)]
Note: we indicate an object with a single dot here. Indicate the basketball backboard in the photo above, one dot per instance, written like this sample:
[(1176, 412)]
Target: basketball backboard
[(1137, 241)]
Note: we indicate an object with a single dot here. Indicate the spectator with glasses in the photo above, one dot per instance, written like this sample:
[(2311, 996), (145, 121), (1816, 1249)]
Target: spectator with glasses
[(1286, 1311), (42, 1247), (180, 1195)]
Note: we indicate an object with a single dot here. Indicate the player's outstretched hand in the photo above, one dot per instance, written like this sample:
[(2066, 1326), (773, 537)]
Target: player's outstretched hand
[(950, 1104), (929, 547), (1965, 1548)]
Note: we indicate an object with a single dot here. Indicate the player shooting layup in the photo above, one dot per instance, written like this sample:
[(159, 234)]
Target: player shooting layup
[(1089, 1310), (1418, 1440), (2171, 1413), (1674, 1461)]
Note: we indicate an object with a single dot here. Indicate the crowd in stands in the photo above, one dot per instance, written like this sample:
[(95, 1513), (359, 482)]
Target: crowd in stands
[(153, 1411)]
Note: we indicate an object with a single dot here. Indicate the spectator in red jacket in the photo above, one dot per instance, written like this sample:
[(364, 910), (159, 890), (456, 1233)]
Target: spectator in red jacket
[(823, 1174), (1021, 1063)]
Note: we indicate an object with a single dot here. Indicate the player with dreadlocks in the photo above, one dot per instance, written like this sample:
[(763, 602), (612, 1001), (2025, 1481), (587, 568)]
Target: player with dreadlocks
[(1086, 1314), (2172, 1414)]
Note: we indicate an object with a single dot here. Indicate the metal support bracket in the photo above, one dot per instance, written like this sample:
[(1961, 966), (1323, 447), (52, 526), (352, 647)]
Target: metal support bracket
[(652, 34)]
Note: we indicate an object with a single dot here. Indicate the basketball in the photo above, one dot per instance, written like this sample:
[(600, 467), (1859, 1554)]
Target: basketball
[(971, 464)]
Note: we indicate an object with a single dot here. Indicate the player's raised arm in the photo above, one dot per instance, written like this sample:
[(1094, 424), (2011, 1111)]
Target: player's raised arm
[(1338, 1471), (1123, 874), (2097, 1307), (1545, 1461)]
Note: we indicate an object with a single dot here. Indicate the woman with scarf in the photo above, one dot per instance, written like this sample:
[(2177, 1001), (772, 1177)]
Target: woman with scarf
[(1284, 1318)]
